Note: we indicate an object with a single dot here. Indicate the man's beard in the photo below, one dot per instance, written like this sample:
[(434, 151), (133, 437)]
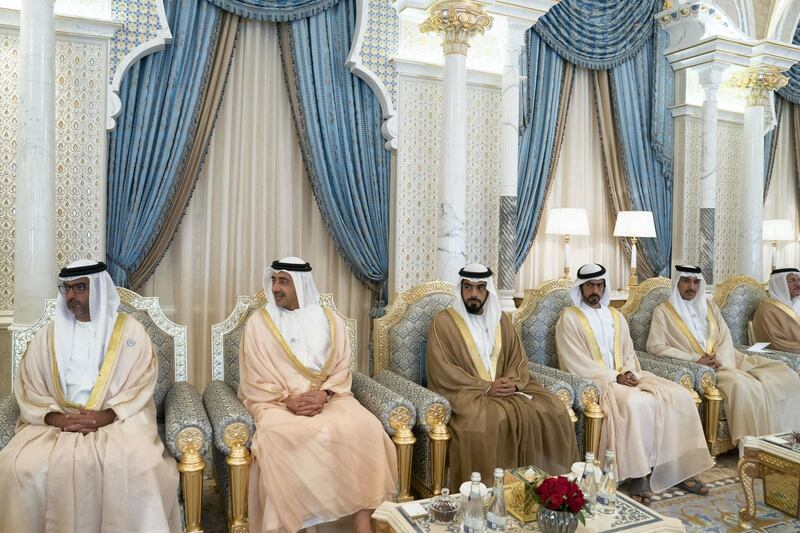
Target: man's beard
[(593, 299), (474, 306)]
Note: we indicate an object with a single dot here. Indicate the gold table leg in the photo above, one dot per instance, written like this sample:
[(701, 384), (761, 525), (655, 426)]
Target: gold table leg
[(749, 470)]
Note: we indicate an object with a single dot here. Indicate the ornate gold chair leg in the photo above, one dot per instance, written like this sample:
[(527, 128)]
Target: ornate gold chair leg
[(191, 466), (439, 436), (236, 436), (593, 417), (404, 439), (711, 416)]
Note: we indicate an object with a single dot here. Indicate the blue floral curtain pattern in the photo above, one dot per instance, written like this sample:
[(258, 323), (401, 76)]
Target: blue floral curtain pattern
[(649, 185), (274, 10), (792, 91), (538, 139), (597, 34), (338, 121), (160, 99)]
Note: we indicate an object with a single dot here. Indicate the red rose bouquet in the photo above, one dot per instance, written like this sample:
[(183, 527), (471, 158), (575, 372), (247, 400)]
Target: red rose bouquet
[(561, 494)]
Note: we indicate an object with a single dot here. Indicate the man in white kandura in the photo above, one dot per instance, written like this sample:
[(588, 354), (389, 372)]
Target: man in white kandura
[(86, 456), (761, 395), (651, 423)]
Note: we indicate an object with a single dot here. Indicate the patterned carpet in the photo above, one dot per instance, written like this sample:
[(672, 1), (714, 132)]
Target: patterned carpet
[(718, 512), (715, 513)]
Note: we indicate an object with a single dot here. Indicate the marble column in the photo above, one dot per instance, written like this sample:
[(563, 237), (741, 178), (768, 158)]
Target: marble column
[(35, 222), (710, 77), (509, 158), (457, 21), (757, 86)]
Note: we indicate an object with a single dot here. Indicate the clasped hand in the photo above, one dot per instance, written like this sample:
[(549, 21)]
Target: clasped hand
[(709, 360), (627, 379), (84, 421), (502, 387), (307, 403)]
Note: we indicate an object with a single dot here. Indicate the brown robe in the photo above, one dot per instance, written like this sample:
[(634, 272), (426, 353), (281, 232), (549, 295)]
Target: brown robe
[(778, 324), (761, 394), (316, 469), (493, 432), (654, 425), (119, 478)]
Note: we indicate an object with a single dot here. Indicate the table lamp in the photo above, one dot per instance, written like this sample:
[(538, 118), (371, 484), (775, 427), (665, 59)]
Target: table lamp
[(567, 221), (636, 225)]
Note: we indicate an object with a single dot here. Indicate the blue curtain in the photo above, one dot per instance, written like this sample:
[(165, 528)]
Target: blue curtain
[(792, 91), (338, 120), (598, 34), (274, 10), (160, 96), (537, 141), (649, 183)]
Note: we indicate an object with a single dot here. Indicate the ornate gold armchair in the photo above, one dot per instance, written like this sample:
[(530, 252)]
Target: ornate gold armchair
[(535, 321), (182, 421), (738, 298), (399, 343), (699, 379), (233, 426)]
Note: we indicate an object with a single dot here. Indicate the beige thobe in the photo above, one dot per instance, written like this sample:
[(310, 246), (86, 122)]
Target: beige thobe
[(119, 478), (761, 394), (309, 470), (778, 324), (491, 432), (652, 426)]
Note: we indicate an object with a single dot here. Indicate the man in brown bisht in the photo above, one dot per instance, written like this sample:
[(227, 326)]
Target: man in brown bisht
[(651, 423), (318, 455), (86, 456), (501, 416), (777, 319), (761, 395)]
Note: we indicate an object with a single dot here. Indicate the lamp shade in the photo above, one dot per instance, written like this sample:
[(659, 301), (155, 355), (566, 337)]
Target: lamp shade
[(777, 230), (634, 224), (567, 221)]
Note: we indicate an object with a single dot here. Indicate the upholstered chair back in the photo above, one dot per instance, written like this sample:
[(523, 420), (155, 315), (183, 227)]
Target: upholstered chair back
[(401, 335), (638, 310), (536, 319), (169, 340), (737, 299), (226, 336)]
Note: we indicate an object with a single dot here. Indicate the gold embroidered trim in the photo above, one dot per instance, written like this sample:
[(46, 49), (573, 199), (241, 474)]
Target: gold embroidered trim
[(589, 332), (105, 369), (473, 348), (681, 323), (316, 378)]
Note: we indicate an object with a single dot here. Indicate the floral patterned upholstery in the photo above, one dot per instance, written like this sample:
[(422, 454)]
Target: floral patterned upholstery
[(179, 406), (739, 307)]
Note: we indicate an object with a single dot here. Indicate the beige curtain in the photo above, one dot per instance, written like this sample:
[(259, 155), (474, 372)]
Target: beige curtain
[(195, 157), (578, 182), (253, 203), (782, 196)]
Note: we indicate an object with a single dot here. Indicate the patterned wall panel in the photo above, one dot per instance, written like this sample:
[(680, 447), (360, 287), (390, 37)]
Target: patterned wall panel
[(483, 175), (80, 157), (80, 163), (380, 44), (692, 164), (9, 49), (729, 192), (141, 23), (419, 108)]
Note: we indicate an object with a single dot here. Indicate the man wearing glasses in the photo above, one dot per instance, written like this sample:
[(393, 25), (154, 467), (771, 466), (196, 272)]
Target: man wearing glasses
[(86, 455)]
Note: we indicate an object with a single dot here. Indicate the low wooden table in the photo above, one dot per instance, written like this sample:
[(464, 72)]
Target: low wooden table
[(631, 517), (778, 465)]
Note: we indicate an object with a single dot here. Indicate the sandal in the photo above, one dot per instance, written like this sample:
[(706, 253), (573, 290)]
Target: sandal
[(695, 486), (640, 491), (643, 498)]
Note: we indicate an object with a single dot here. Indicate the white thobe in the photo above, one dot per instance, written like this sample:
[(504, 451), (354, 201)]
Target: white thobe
[(484, 339), (307, 332), (83, 366), (697, 325)]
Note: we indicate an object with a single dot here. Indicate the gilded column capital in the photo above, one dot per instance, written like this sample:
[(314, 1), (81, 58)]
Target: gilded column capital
[(457, 21), (757, 84)]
